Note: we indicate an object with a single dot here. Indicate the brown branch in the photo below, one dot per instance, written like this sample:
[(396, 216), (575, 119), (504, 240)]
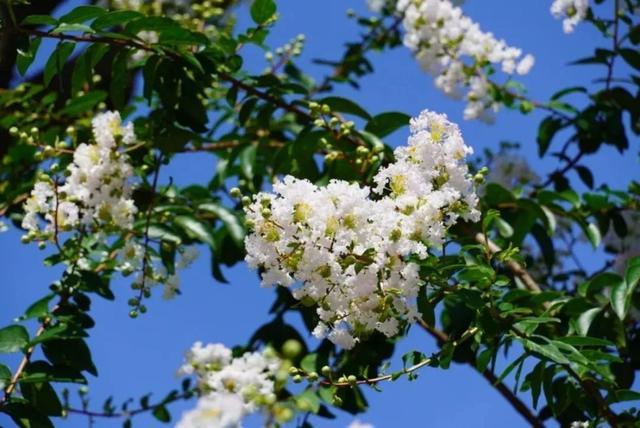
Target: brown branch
[(516, 268)]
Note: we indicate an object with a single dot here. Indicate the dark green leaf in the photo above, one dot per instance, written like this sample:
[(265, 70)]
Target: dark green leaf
[(84, 103), (13, 339), (196, 229), (262, 10), (119, 79), (586, 319), (5, 376), (38, 309), (386, 123), (82, 14), (43, 397), (117, 17), (26, 56), (39, 20), (230, 219), (344, 105), (56, 61), (585, 175), (72, 353), (162, 414)]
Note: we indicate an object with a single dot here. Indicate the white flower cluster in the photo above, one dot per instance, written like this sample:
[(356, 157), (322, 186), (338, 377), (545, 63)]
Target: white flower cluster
[(96, 193), (457, 53), (511, 171), (572, 12), (349, 247), (131, 259), (231, 388)]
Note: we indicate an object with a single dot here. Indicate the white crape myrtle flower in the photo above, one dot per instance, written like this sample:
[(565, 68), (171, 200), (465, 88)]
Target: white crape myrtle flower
[(216, 410), (572, 12), (511, 171), (456, 52), (347, 248), (235, 387), (96, 193)]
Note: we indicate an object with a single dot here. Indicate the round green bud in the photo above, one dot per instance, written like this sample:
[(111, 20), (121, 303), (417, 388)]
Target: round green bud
[(246, 200), (133, 314), (352, 379), (297, 379), (326, 371), (291, 348), (70, 130), (235, 192), (313, 376), (34, 131), (42, 245), (266, 212), (293, 370), (14, 131), (143, 309)]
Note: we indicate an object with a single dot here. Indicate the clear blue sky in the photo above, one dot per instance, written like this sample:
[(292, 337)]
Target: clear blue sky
[(135, 357)]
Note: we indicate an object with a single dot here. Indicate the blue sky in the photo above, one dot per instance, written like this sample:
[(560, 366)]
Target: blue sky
[(135, 357)]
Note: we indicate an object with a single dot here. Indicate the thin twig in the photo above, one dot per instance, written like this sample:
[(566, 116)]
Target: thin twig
[(506, 392), (470, 332)]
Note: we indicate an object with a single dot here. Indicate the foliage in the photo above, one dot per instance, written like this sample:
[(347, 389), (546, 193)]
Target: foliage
[(510, 283)]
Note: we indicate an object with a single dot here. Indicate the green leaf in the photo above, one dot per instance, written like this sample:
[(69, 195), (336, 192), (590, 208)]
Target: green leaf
[(618, 299), (41, 371), (72, 353), (546, 350), (162, 414), (309, 363), (504, 228), (585, 341), (344, 105), (38, 309), (622, 396), (26, 56), (536, 378), (84, 103), (547, 130), (43, 397), (247, 161), (82, 14), (262, 11), (631, 56), (112, 19), (230, 220), (13, 339), (196, 229), (163, 233), (632, 274), (5, 376), (386, 123), (593, 234), (119, 79), (586, 319), (56, 61), (585, 175), (39, 20), (308, 401)]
